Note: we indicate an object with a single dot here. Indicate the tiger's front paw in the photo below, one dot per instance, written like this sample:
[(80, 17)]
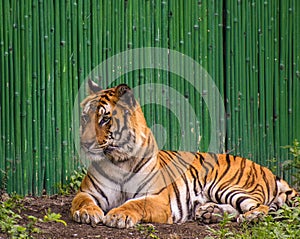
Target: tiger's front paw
[(89, 214), (121, 218)]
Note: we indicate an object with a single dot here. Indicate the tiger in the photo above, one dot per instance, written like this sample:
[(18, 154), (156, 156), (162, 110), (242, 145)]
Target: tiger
[(130, 181)]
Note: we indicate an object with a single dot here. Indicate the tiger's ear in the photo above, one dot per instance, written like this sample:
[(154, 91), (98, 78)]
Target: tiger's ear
[(124, 93), (93, 87), (122, 90)]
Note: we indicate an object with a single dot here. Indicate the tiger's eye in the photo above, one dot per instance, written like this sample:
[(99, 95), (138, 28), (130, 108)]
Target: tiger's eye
[(104, 121)]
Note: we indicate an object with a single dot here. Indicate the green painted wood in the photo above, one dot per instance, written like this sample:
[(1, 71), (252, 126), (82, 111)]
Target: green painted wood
[(249, 48)]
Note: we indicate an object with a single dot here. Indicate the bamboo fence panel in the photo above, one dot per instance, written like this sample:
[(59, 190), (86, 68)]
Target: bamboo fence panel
[(47, 48)]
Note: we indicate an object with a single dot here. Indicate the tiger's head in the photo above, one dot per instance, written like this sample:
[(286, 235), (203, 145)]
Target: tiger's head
[(113, 125)]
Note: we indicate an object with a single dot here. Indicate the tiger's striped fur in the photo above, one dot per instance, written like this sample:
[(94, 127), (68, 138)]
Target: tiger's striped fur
[(130, 180)]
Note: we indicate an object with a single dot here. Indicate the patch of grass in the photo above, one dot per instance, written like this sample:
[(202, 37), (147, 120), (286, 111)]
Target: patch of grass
[(9, 219), (224, 230), (283, 223)]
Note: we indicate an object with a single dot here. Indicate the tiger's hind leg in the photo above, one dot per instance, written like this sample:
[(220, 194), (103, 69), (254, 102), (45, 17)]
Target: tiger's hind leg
[(212, 212), (252, 208), (254, 214)]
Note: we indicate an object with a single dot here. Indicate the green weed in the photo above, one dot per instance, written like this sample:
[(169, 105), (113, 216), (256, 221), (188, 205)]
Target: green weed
[(53, 217), (294, 164), (73, 183), (148, 230), (283, 223), (224, 230), (9, 219)]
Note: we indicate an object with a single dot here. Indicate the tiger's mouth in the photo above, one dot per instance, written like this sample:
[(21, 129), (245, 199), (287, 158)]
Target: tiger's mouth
[(109, 149), (98, 149)]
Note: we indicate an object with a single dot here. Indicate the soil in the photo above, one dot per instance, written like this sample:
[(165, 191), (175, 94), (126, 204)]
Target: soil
[(38, 207)]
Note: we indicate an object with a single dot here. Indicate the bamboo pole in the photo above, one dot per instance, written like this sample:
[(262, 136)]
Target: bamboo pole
[(48, 57), (3, 169), (296, 73), (57, 93), (16, 77), (269, 79), (283, 77), (42, 95), (42, 54)]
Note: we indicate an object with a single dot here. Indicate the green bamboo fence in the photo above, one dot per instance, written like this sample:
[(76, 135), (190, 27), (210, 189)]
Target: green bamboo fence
[(47, 48)]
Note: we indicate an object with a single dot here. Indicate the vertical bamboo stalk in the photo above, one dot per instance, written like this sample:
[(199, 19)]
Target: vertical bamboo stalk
[(75, 76), (204, 62), (296, 73), (2, 103), (186, 32), (146, 42), (248, 78), (210, 44), (58, 97), (289, 63), (71, 162), (10, 160), (23, 134), (42, 88), (253, 76), (37, 177), (269, 78), (80, 39), (48, 75), (64, 94), (165, 96), (228, 87), (262, 81), (242, 95), (171, 77), (94, 33), (289, 68), (28, 163), (16, 81), (218, 26), (235, 50), (108, 38), (276, 81), (283, 77), (196, 97), (135, 40), (180, 81)]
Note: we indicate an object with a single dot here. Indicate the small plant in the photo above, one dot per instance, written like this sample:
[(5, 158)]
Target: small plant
[(294, 164), (76, 179), (73, 184), (10, 219), (273, 165), (223, 231), (147, 229), (53, 217), (3, 181)]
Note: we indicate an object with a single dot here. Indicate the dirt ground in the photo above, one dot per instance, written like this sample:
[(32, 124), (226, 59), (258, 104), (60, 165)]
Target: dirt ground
[(61, 204)]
